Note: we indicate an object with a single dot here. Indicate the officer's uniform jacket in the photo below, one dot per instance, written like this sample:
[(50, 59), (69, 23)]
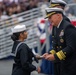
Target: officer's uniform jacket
[(66, 18), (23, 60), (64, 48)]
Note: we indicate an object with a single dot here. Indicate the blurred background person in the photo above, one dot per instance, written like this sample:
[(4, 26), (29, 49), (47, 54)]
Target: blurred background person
[(60, 4), (31, 5)]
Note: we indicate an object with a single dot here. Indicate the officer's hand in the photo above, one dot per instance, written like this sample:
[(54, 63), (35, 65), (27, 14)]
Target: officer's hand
[(44, 55), (50, 57), (39, 57)]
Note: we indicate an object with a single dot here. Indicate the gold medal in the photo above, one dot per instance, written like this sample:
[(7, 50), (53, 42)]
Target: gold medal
[(61, 40)]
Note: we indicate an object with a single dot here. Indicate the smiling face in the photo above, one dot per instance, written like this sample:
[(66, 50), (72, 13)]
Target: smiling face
[(55, 19)]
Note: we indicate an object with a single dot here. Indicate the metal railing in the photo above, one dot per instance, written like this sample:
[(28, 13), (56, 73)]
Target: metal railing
[(27, 18)]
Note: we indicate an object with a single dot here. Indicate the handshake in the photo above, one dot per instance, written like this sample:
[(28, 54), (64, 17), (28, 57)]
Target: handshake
[(39, 57), (46, 56)]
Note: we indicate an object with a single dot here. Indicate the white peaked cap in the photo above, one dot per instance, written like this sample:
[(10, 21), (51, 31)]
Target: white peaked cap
[(58, 1), (1, 0), (18, 28), (51, 11)]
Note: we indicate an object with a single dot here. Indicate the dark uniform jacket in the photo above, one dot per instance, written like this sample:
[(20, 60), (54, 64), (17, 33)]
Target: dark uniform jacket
[(64, 48), (66, 18), (23, 60)]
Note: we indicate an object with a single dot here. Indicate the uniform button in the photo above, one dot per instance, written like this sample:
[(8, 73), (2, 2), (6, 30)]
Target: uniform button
[(52, 36), (60, 46), (52, 41), (57, 46), (64, 52)]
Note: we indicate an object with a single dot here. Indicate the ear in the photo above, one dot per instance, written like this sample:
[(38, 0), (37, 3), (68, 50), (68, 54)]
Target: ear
[(21, 35)]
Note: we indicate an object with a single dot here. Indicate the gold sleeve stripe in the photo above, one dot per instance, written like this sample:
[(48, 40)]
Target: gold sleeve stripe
[(50, 14), (52, 51), (61, 55), (52, 5)]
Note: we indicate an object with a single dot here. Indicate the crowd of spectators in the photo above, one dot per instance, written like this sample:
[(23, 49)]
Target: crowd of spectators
[(10, 7)]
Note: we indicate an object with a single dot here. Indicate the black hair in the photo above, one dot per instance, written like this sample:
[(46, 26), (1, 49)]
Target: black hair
[(15, 36)]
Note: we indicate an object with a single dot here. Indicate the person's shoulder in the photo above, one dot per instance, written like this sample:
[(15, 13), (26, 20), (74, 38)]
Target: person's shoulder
[(66, 18), (67, 24), (24, 46)]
